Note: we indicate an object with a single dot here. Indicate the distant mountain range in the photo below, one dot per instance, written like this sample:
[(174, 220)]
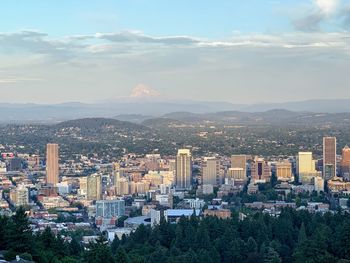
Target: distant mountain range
[(139, 110)]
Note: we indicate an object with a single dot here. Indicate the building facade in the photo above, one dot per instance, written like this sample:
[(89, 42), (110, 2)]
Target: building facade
[(329, 157), (210, 170), (183, 169), (52, 168)]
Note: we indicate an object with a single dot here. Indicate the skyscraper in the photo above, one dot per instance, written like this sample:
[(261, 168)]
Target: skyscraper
[(345, 162), (239, 161), (52, 168), (210, 170), (94, 187), (306, 167), (183, 169), (284, 170), (260, 171), (329, 157)]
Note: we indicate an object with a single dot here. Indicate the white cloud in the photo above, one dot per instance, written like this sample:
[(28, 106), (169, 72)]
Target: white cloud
[(97, 66), (327, 7)]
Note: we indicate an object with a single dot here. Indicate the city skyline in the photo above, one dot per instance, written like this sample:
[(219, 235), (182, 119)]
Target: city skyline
[(277, 50)]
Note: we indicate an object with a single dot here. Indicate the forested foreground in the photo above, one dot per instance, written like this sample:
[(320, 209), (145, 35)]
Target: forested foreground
[(295, 236)]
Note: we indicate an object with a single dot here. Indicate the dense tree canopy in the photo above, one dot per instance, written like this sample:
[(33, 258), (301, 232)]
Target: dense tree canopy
[(294, 236)]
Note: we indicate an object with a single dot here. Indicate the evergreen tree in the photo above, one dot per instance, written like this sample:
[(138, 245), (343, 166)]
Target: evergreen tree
[(121, 256), (271, 256)]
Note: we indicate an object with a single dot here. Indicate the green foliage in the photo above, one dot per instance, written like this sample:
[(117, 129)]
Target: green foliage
[(294, 236)]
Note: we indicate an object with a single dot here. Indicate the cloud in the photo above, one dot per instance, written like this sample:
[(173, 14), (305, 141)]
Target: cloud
[(321, 11), (345, 15), (139, 37), (327, 7), (13, 80), (37, 43), (97, 66), (334, 12)]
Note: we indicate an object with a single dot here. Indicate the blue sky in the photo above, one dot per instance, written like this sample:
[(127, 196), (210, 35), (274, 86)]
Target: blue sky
[(238, 51), (206, 18)]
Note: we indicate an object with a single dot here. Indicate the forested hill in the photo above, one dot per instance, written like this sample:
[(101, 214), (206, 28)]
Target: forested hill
[(294, 236), (98, 123)]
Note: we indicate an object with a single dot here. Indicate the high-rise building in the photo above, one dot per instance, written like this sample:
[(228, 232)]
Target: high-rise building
[(237, 174), (183, 169), (329, 157), (284, 171), (82, 186), (260, 171), (52, 168), (210, 170), (239, 161), (110, 208), (20, 195), (94, 187), (122, 187), (318, 183), (345, 162), (306, 167)]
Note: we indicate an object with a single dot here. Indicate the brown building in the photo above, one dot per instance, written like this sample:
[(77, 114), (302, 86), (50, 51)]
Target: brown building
[(260, 171), (338, 185), (220, 213), (329, 157), (52, 168), (239, 161), (210, 171), (284, 170), (345, 162)]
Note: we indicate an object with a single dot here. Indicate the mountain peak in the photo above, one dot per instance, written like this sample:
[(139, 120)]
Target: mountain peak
[(143, 91)]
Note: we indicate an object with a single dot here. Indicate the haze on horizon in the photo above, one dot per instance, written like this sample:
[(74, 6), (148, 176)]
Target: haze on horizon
[(235, 51)]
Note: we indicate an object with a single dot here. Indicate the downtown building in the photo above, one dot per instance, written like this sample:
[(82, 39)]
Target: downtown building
[(237, 173), (260, 171), (210, 171), (52, 167), (329, 157), (345, 163), (306, 168), (183, 173)]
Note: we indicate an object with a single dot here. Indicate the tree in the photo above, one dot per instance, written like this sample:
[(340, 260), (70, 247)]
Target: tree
[(19, 235), (271, 256), (99, 252), (121, 256)]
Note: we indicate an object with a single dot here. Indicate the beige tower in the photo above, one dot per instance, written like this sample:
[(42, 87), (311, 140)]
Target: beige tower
[(210, 170), (183, 169), (52, 168), (94, 188)]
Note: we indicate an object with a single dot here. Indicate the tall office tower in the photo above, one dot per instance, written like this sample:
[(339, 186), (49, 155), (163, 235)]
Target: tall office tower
[(122, 187), (260, 171), (183, 173), (210, 170), (82, 186), (116, 173), (345, 163), (94, 187), (306, 167), (110, 208), (329, 157), (239, 161), (22, 195), (52, 168), (284, 171), (237, 174)]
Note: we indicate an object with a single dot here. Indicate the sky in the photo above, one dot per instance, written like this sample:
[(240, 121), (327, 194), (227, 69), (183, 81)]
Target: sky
[(247, 51)]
